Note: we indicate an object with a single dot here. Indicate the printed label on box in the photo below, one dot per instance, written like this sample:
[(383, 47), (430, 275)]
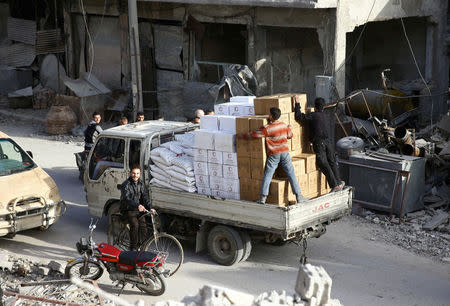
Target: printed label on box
[(201, 168), (221, 109), (216, 182), (200, 155), (205, 191), (229, 158), (230, 185), (230, 172), (215, 157), (215, 170), (202, 181)]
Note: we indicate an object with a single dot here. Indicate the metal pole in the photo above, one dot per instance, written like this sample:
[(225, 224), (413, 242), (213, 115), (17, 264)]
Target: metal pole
[(135, 57)]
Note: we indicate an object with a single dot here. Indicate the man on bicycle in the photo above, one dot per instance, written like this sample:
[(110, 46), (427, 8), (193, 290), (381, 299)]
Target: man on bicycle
[(134, 200)]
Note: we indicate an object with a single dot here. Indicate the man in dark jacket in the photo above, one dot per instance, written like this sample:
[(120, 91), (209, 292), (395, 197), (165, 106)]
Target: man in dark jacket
[(134, 200), (321, 140), (92, 131)]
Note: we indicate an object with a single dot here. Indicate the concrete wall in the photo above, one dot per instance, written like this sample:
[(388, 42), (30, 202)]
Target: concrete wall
[(351, 14)]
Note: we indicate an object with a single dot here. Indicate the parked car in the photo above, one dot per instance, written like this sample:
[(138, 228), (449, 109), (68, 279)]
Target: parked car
[(29, 197)]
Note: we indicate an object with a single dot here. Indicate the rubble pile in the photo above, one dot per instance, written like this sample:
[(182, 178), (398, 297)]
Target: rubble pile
[(39, 280), (414, 233)]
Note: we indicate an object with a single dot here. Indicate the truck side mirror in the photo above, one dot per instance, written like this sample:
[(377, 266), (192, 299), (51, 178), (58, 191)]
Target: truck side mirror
[(30, 153)]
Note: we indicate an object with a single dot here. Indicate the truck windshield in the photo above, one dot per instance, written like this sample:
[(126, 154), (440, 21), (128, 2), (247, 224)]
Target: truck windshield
[(12, 158)]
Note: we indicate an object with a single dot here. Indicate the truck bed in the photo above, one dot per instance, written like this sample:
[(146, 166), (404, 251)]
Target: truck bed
[(285, 221)]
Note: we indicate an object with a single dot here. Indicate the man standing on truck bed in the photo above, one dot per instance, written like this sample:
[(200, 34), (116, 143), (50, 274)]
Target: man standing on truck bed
[(134, 200), (321, 140), (276, 134), (92, 131)]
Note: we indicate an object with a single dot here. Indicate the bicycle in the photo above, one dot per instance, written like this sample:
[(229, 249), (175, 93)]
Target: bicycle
[(119, 236)]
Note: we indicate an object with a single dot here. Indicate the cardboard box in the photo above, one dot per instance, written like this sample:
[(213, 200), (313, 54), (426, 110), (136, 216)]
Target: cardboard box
[(202, 181), (215, 170), (257, 145), (301, 97), (225, 142), (247, 109), (296, 141), (242, 125), (217, 193), (200, 155), (209, 122), (313, 182), (292, 122), (215, 157), (215, 182), (230, 185), (257, 168), (204, 139), (278, 192), (229, 159), (243, 147), (310, 161), (312, 195), (244, 167), (245, 187), (201, 168), (221, 109), (323, 181), (325, 191), (263, 104), (284, 118), (243, 99), (299, 168), (205, 191), (227, 124), (303, 183), (257, 122), (230, 172), (234, 110)]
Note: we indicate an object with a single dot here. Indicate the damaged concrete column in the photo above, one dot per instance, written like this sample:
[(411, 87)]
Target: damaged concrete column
[(339, 53), (135, 58)]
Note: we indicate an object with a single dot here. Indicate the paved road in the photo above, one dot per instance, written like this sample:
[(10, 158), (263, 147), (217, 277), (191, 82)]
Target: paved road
[(364, 272)]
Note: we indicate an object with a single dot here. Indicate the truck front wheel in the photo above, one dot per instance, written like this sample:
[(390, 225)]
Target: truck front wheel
[(225, 245)]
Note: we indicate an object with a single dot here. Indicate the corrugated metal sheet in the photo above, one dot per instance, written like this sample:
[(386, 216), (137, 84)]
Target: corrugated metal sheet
[(49, 41), (17, 55), (22, 30)]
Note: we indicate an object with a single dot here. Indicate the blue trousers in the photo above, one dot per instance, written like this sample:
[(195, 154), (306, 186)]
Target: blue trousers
[(271, 165)]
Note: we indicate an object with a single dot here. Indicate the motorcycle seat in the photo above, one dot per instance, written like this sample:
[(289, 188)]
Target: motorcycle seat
[(133, 257)]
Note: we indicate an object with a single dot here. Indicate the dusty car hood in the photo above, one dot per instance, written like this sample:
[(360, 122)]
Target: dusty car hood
[(32, 182)]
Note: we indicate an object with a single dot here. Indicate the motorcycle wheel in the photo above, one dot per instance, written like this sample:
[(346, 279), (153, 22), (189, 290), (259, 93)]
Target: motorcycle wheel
[(85, 270), (168, 244), (156, 285)]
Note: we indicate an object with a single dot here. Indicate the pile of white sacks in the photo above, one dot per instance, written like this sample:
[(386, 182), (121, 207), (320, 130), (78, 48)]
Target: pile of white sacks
[(173, 165)]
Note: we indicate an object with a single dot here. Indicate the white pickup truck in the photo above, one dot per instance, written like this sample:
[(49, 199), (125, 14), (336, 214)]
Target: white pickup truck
[(225, 227)]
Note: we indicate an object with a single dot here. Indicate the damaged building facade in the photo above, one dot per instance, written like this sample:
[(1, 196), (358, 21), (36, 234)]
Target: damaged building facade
[(186, 48)]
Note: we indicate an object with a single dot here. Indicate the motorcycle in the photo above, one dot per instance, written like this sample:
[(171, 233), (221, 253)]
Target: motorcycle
[(142, 269)]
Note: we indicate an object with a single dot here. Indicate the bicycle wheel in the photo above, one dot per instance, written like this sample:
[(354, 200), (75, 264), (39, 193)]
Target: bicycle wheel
[(84, 269), (120, 238), (171, 246)]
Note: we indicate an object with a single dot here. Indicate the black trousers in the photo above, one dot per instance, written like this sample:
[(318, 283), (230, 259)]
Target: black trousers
[(326, 161), (138, 229)]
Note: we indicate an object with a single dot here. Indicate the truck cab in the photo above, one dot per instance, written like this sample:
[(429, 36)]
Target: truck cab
[(29, 197), (115, 151)]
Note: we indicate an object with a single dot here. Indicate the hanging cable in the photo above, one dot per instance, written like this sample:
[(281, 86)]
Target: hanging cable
[(418, 69), (89, 37)]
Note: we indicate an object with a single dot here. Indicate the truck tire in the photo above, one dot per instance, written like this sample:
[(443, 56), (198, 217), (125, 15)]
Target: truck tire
[(114, 208), (225, 245), (246, 240)]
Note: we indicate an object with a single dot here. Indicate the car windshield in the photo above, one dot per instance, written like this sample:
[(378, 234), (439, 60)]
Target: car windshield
[(12, 158)]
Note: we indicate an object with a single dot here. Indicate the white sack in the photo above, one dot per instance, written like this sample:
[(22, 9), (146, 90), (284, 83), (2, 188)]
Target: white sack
[(181, 177), (174, 146)]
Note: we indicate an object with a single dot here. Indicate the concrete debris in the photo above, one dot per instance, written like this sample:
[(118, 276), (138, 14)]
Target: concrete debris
[(437, 220), (55, 266), (410, 233), (314, 284)]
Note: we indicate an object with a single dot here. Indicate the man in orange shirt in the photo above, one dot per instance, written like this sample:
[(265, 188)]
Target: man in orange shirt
[(276, 134)]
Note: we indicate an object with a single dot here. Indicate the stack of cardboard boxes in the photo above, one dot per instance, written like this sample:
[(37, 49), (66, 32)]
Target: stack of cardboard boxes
[(215, 157), (251, 154)]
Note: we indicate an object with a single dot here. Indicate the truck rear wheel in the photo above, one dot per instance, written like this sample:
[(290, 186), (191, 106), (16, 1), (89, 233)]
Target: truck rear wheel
[(225, 245), (246, 240)]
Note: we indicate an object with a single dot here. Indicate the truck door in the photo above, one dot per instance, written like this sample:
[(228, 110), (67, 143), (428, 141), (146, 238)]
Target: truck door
[(105, 170)]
